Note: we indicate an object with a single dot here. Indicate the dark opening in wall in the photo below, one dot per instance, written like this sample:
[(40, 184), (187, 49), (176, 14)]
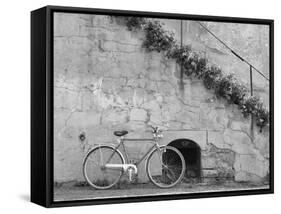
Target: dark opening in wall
[(191, 152)]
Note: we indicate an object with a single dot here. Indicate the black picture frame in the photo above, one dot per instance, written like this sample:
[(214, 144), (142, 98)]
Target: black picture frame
[(42, 105)]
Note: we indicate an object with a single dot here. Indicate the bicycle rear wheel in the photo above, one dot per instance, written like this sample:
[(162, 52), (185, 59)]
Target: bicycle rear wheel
[(165, 166), (94, 169)]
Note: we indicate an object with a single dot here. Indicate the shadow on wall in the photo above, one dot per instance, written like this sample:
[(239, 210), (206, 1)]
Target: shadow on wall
[(192, 155)]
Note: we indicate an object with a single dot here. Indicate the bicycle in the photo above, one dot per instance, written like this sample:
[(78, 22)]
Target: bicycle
[(104, 165)]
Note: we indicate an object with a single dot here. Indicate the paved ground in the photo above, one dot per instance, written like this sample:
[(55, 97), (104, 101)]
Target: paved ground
[(81, 193)]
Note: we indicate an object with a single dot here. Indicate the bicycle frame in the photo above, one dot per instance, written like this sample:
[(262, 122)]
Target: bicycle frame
[(122, 140)]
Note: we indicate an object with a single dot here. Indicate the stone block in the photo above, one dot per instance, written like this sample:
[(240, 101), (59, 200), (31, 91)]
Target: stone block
[(152, 106), (190, 120), (208, 162), (166, 88), (136, 125), (249, 167), (83, 119), (216, 138), (239, 141), (209, 173), (65, 98), (261, 142), (112, 85), (174, 105), (138, 115), (213, 118), (174, 125), (67, 24), (115, 117), (241, 176)]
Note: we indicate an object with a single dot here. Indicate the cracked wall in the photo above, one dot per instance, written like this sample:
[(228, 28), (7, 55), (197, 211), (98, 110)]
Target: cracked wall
[(105, 81)]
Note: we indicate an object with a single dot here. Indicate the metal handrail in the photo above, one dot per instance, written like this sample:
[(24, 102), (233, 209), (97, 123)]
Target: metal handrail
[(232, 51)]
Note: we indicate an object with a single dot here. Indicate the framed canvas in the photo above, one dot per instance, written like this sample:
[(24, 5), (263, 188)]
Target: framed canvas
[(131, 106)]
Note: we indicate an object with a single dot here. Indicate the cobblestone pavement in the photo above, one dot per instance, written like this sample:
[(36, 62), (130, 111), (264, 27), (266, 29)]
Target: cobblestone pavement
[(67, 192)]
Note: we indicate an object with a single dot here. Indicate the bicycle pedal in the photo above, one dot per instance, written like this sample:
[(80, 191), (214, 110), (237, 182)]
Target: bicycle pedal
[(130, 172)]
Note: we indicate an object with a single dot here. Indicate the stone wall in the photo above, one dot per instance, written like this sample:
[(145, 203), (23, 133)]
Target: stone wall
[(104, 81)]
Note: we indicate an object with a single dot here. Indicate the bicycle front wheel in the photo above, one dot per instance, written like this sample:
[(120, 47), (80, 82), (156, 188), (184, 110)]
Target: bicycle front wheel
[(165, 166), (94, 170)]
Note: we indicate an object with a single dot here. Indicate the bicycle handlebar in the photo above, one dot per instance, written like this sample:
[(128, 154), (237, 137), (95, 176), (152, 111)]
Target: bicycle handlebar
[(155, 129)]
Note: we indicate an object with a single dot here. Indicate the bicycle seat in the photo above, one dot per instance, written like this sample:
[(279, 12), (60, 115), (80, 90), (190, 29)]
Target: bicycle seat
[(120, 133)]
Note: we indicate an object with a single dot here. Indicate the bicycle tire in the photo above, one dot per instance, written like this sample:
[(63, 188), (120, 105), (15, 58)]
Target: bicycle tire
[(156, 180)]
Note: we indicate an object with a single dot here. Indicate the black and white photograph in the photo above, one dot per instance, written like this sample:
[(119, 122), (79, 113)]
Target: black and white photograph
[(146, 106), (139, 107)]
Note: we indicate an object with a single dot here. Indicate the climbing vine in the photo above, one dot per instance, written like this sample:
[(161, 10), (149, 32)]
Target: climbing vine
[(134, 23), (157, 39), (224, 86)]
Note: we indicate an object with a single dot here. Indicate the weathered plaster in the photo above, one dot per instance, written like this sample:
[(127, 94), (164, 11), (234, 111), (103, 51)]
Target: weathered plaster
[(104, 80)]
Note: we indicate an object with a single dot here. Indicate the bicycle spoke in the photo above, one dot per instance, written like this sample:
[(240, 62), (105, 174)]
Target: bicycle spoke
[(101, 156), (171, 172), (95, 172)]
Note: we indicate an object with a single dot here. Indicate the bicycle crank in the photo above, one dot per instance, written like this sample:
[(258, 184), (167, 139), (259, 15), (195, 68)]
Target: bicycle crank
[(130, 168)]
